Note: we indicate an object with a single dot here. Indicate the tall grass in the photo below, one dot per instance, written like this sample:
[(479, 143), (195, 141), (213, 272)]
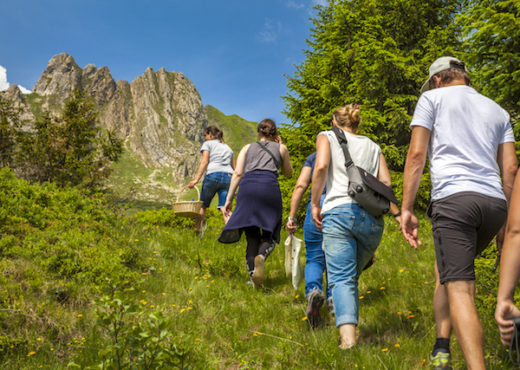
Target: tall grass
[(226, 323), (218, 321)]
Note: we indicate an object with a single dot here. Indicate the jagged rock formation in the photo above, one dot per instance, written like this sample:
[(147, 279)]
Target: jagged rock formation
[(160, 114), (14, 94)]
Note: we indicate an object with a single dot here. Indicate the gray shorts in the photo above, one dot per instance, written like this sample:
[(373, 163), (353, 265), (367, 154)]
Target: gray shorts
[(463, 226)]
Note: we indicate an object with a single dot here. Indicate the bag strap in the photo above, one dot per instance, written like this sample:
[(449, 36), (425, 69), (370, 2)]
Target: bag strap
[(384, 190), (342, 139), (264, 147)]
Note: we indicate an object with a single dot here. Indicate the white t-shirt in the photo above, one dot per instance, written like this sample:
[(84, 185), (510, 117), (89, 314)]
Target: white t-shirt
[(220, 156), (364, 153), (466, 130)]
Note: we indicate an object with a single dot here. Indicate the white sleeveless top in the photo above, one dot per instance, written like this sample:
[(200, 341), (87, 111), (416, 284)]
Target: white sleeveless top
[(365, 154)]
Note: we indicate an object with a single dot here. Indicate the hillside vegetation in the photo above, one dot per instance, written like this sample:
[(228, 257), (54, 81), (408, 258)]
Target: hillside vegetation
[(132, 180), (86, 285)]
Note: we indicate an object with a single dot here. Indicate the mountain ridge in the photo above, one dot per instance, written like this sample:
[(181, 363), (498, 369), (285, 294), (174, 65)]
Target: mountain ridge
[(159, 116)]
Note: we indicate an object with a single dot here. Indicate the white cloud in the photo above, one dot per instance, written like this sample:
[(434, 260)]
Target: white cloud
[(295, 5), (24, 90), (320, 2), (4, 84), (271, 30)]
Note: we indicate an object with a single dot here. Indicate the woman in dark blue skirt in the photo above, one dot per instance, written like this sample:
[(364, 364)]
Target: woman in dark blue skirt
[(258, 211)]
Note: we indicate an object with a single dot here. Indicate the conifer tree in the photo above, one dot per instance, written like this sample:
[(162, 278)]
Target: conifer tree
[(491, 30), (372, 52), (69, 149), (9, 125)]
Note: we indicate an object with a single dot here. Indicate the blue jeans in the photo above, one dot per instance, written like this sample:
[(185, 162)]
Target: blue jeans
[(216, 182), (351, 235), (314, 255)]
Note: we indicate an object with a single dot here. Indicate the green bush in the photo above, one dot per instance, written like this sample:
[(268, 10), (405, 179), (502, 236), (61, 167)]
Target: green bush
[(58, 248)]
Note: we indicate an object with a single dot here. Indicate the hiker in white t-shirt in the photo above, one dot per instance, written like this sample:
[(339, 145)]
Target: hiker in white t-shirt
[(470, 144), (218, 162)]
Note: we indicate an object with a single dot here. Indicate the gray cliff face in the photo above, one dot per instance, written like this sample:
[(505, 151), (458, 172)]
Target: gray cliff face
[(61, 77), (160, 115), (14, 94)]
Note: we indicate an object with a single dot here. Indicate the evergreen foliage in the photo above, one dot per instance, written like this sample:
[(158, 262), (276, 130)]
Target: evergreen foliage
[(372, 52), (492, 46), (70, 149), (9, 125)]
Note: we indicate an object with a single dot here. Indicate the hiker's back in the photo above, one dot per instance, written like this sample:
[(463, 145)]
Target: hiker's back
[(258, 159), (466, 130)]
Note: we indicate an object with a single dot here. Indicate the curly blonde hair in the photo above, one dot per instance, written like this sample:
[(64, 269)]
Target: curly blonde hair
[(347, 116)]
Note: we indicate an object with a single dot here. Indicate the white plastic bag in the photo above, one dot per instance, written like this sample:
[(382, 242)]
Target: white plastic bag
[(293, 267)]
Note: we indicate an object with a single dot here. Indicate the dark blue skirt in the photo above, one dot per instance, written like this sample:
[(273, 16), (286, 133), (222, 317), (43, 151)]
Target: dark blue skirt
[(258, 203)]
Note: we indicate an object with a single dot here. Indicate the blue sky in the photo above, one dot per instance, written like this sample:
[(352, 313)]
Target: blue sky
[(236, 52)]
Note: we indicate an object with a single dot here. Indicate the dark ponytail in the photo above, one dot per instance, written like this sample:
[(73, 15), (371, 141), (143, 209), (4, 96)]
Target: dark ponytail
[(215, 132), (267, 128)]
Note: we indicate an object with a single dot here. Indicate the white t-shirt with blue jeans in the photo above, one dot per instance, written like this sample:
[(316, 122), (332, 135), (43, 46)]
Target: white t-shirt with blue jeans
[(220, 155), (218, 172)]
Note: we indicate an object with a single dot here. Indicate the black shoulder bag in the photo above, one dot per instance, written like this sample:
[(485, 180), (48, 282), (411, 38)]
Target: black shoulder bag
[(264, 147), (370, 193)]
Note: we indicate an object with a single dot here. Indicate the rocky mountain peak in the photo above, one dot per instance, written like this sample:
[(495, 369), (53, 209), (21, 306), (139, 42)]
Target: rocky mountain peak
[(61, 76)]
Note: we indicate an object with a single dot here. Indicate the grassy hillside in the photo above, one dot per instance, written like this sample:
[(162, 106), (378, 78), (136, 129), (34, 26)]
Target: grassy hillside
[(132, 181), (237, 131), (85, 286)]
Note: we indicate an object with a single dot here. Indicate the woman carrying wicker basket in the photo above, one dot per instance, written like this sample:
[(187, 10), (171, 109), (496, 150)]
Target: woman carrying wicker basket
[(258, 210), (218, 162)]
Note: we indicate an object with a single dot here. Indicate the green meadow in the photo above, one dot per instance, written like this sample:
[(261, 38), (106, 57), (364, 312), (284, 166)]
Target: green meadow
[(91, 283)]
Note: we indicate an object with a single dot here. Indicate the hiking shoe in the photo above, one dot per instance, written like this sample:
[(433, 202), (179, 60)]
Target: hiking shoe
[(258, 272), (315, 299), (442, 360)]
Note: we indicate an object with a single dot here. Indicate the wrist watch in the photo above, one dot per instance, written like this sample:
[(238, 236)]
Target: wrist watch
[(291, 219)]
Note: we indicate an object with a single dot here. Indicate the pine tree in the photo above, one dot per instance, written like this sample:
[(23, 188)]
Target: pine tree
[(9, 125), (70, 149), (372, 52), (492, 43)]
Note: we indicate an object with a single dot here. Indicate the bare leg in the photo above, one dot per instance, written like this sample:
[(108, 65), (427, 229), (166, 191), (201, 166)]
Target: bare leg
[(347, 335), (461, 295), (441, 308)]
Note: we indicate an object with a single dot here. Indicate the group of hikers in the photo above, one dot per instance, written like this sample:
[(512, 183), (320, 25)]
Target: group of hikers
[(469, 141)]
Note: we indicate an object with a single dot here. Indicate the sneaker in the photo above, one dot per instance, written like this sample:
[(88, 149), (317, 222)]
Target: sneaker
[(442, 360), (258, 273), (315, 299)]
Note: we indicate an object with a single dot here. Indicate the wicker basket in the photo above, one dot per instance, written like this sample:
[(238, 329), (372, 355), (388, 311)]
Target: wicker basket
[(187, 208)]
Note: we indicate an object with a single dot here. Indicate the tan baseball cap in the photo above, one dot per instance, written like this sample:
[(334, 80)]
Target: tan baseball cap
[(442, 64)]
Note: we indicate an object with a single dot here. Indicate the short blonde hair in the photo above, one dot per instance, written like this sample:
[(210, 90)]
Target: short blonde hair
[(347, 116)]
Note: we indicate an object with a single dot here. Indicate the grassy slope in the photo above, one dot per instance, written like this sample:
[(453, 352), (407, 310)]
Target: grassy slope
[(132, 180), (232, 324), (237, 131), (221, 322)]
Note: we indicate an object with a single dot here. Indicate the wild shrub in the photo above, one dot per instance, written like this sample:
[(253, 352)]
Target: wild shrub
[(58, 247)]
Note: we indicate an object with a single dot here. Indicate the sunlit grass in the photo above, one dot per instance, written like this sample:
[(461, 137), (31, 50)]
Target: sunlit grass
[(225, 323)]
